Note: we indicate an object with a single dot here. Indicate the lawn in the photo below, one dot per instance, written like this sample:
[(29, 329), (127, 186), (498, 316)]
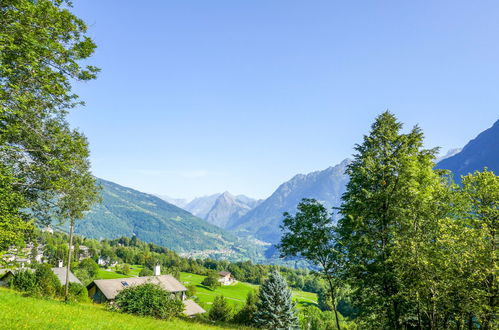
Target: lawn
[(106, 274), (236, 293), (20, 312)]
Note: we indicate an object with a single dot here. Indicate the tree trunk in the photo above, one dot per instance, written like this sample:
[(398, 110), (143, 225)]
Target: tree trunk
[(331, 287), (71, 227)]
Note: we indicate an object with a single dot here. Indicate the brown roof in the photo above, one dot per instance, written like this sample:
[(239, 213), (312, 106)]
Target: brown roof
[(191, 308), (224, 273), (110, 288)]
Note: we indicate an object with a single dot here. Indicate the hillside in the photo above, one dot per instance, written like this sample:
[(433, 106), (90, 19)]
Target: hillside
[(482, 151), (51, 314), (264, 220), (127, 212)]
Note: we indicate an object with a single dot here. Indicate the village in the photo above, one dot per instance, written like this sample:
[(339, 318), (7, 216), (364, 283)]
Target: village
[(100, 290)]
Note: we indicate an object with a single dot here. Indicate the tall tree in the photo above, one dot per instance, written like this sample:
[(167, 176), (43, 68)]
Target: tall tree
[(275, 308), (389, 198), (42, 45), (310, 234), (481, 190)]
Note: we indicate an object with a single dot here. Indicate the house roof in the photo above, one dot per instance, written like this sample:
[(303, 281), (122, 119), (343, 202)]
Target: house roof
[(111, 288), (224, 273), (191, 308), (60, 272)]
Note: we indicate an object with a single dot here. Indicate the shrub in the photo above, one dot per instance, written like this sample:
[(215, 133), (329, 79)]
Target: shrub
[(77, 292), (246, 314), (24, 280), (211, 281), (148, 300), (125, 269), (48, 283), (220, 310), (191, 291), (146, 272), (90, 266)]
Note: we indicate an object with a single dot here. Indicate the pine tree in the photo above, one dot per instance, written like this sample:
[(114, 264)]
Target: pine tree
[(220, 310), (275, 309)]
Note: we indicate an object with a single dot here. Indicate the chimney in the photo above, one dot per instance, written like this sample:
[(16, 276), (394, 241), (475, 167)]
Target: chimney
[(157, 270), (61, 264)]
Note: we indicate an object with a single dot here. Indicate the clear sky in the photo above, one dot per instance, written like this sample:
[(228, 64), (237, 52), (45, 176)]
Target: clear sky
[(198, 97)]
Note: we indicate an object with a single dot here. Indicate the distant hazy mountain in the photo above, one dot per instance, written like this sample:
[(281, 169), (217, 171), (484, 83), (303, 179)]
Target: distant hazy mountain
[(480, 152), (264, 220), (228, 208), (180, 202), (200, 206), (449, 153), (126, 212)]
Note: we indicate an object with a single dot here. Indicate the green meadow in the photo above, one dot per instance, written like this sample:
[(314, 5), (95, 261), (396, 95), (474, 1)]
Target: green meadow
[(235, 293), (18, 312)]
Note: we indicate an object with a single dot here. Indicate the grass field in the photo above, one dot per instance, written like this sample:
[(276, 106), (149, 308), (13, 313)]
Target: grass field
[(236, 293), (18, 312)]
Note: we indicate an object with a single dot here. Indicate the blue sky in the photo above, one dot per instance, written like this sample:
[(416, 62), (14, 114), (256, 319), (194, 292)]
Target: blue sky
[(197, 97)]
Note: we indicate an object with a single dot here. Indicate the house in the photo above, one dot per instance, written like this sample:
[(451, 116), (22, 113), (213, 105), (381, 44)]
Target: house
[(106, 261), (101, 291), (60, 272), (226, 278)]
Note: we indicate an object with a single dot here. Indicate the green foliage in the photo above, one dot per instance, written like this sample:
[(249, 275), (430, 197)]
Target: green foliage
[(47, 283), (220, 310), (312, 318), (246, 315), (78, 293), (148, 300), (275, 308), (146, 272), (191, 291), (124, 269), (15, 225), (90, 266), (310, 234), (42, 46), (211, 281), (24, 280)]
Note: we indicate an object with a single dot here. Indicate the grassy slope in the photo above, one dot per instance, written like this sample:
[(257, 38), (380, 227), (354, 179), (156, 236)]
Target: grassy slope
[(19, 312), (235, 294)]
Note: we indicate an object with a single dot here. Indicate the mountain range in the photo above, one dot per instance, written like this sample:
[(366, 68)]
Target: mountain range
[(237, 226), (482, 151), (218, 209), (128, 212), (264, 220)]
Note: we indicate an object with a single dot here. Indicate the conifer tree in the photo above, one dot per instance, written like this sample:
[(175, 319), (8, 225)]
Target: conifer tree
[(275, 308), (220, 310)]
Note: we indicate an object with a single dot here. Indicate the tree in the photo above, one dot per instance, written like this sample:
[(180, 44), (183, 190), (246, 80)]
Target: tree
[(42, 46), (220, 310), (310, 235), (481, 191), (148, 300), (246, 314), (390, 215), (146, 272), (211, 281), (275, 308)]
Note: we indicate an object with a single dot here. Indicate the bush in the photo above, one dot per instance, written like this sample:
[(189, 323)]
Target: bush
[(148, 300), (146, 272), (124, 269), (90, 266), (24, 281), (191, 291), (77, 292), (211, 281), (48, 283), (246, 314), (220, 310)]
